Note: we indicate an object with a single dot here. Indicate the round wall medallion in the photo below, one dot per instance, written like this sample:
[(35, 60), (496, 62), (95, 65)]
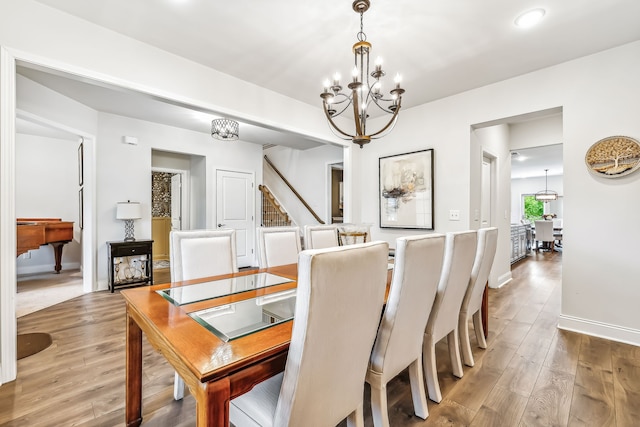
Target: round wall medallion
[(613, 157)]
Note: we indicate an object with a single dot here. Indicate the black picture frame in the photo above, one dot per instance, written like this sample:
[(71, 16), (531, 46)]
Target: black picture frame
[(406, 190), (81, 164)]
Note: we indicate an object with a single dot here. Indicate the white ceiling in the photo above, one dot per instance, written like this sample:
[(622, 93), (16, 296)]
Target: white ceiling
[(440, 47), (532, 162)]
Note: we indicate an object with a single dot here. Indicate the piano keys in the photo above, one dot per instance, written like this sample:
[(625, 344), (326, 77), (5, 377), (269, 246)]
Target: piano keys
[(35, 232)]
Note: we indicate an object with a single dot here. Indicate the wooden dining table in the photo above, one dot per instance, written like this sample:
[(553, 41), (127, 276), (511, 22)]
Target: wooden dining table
[(215, 370)]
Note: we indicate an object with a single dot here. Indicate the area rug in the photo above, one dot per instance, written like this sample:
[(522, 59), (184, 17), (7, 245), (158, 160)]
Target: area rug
[(29, 344)]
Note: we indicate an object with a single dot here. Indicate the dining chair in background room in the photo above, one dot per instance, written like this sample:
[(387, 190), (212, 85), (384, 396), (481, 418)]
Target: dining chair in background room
[(417, 268), (278, 245), (459, 253), (472, 302), (544, 234), (320, 236), (340, 296), (349, 234), (200, 253), (557, 231)]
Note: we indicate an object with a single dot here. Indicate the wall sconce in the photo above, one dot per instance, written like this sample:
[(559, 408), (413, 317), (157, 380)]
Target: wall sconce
[(128, 211)]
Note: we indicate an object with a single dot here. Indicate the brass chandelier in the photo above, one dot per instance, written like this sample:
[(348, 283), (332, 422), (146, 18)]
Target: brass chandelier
[(365, 93)]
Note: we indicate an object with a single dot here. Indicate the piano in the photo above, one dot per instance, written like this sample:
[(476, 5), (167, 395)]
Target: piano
[(35, 232)]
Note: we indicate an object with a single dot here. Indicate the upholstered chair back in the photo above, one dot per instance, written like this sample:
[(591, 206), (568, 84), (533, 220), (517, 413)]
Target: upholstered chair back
[(339, 300), (278, 245), (544, 231), (416, 271), (472, 302), (320, 236), (202, 253)]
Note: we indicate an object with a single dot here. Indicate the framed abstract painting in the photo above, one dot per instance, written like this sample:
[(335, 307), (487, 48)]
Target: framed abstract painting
[(406, 190)]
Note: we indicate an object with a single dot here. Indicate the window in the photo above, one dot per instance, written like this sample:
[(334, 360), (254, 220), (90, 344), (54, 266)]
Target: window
[(533, 209)]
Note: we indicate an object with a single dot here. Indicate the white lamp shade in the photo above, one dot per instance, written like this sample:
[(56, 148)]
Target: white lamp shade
[(128, 210)]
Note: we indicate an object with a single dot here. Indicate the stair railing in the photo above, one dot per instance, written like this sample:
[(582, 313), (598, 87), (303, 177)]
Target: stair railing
[(306, 205)]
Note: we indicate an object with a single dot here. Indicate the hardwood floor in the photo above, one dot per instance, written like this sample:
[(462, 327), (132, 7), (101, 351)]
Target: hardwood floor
[(530, 374)]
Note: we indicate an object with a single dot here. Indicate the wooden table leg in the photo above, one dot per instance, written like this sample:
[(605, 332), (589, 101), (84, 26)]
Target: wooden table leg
[(485, 310), (133, 411), (212, 403)]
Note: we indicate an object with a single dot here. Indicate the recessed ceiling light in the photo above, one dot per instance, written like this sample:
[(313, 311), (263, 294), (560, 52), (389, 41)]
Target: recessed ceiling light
[(530, 18)]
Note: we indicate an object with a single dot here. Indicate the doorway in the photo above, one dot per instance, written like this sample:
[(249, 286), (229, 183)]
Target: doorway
[(336, 193), (169, 210), (54, 183)]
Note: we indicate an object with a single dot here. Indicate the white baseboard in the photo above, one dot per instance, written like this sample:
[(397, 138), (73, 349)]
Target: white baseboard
[(599, 329), (46, 268), (502, 280)]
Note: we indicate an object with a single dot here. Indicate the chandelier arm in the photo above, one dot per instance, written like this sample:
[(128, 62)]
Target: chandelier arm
[(333, 125), (381, 107), (392, 121)]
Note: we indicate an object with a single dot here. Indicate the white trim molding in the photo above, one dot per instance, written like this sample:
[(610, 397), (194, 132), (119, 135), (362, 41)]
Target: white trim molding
[(8, 323), (600, 329)]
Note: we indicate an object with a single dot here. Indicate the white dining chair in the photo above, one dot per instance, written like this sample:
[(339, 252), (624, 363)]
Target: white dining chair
[(472, 302), (278, 245), (200, 253), (459, 253), (544, 234), (417, 268), (339, 299), (320, 236)]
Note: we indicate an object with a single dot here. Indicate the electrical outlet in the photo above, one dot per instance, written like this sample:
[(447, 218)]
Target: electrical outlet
[(26, 255), (454, 215)]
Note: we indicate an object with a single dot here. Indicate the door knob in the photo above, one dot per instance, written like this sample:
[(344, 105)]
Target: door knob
[(222, 225)]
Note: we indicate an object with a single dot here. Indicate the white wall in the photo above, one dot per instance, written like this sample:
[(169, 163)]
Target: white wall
[(536, 132), (307, 171), (47, 187), (598, 95)]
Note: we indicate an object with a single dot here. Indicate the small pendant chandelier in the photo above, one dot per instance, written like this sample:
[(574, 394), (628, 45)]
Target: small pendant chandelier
[(546, 195), (225, 129), (364, 93)]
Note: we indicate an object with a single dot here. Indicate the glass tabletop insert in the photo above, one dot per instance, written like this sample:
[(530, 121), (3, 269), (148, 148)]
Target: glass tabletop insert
[(231, 321), (217, 288)]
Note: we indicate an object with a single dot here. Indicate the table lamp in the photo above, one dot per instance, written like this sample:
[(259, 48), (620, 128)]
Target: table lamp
[(128, 211)]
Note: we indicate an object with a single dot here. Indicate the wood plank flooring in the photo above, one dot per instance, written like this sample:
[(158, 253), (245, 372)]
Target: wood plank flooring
[(531, 374)]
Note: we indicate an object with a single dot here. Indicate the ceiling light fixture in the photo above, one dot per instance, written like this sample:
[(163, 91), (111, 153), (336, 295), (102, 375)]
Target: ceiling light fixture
[(530, 18), (546, 195), (363, 92), (225, 129)]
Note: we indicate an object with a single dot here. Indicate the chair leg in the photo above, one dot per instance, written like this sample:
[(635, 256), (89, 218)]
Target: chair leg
[(465, 343), (479, 328), (430, 368), (416, 378), (178, 387), (454, 353), (356, 418), (379, 408)]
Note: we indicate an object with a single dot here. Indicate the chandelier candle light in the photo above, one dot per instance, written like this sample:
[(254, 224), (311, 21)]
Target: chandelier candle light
[(364, 92)]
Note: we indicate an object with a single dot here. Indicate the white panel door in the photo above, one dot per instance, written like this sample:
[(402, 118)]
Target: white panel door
[(235, 208), (176, 202)]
